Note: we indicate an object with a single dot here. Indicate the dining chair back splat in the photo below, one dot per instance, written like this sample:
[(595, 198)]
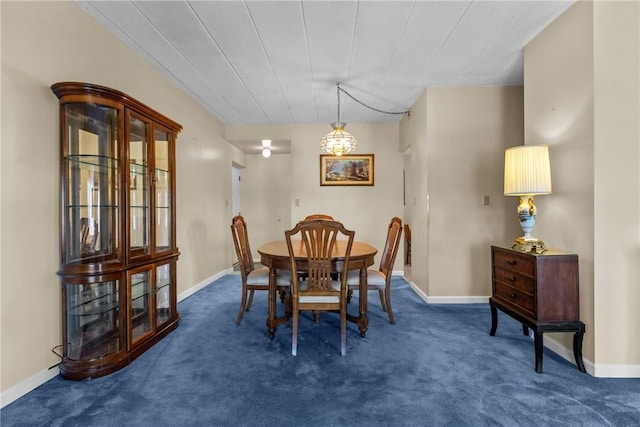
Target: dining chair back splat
[(302, 275), (252, 279), (319, 291), (380, 279)]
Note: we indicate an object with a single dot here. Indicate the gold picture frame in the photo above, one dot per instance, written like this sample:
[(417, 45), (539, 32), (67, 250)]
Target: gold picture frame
[(347, 170)]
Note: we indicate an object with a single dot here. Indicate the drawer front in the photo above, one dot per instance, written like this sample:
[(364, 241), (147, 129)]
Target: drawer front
[(512, 278), (515, 297), (512, 262)]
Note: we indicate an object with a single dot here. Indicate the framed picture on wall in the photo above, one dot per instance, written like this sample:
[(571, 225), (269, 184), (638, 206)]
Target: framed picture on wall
[(346, 170)]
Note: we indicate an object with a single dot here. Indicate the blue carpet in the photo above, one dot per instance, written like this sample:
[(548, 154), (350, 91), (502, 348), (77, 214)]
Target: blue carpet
[(436, 366)]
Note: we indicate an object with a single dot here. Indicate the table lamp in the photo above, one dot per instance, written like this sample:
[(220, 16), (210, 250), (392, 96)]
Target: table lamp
[(527, 173)]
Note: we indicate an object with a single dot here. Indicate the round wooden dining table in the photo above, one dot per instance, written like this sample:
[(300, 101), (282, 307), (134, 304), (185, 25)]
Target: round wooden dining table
[(275, 256)]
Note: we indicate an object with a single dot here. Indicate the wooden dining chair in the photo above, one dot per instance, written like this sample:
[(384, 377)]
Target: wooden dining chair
[(318, 216), (319, 292), (252, 279), (380, 279)]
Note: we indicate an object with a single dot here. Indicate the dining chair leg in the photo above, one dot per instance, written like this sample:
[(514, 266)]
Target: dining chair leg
[(243, 302), (343, 329), (388, 304), (294, 334), (250, 300), (382, 301)]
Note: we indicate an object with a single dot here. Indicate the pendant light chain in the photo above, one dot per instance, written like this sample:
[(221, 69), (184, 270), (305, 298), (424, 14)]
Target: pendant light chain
[(364, 105), (339, 142), (338, 92)]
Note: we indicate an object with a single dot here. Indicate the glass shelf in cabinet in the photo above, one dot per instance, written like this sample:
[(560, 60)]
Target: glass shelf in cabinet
[(137, 168), (93, 206), (162, 285), (92, 309), (93, 160)]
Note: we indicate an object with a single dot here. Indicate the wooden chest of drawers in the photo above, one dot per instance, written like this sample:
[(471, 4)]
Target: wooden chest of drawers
[(539, 290)]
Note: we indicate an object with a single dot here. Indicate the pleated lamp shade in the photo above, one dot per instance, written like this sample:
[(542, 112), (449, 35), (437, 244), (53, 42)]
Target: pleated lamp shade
[(527, 170)]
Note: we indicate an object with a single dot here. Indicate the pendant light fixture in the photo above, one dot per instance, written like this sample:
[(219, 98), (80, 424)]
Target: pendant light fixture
[(338, 141)]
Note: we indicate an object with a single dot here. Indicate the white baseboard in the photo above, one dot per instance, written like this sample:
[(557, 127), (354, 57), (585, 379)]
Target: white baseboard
[(616, 371), (418, 291), (448, 299), (458, 300), (24, 387), (597, 370), (192, 290)]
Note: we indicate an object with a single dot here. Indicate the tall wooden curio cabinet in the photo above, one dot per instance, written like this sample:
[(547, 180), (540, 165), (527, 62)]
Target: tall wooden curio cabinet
[(117, 228)]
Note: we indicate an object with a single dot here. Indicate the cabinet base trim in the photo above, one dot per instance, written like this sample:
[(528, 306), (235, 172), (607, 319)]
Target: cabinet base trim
[(80, 370)]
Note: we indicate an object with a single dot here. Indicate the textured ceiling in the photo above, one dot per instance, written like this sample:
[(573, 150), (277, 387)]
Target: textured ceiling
[(278, 62)]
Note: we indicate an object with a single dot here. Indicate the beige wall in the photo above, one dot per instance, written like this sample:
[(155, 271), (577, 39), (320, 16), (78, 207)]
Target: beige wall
[(457, 138), (413, 137), (47, 42), (266, 197), (582, 98), (468, 131), (617, 186)]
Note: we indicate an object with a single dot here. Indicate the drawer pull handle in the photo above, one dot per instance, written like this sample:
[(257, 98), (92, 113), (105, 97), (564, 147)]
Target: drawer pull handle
[(513, 296), (511, 263), (511, 279)]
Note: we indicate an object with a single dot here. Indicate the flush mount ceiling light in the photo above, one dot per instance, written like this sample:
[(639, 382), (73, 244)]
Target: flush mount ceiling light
[(338, 141), (266, 148)]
